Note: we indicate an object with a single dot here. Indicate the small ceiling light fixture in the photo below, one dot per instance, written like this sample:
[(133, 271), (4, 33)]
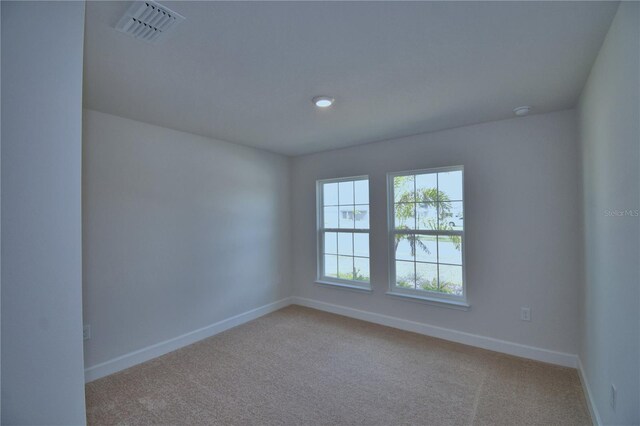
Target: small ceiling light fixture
[(522, 111), (323, 101)]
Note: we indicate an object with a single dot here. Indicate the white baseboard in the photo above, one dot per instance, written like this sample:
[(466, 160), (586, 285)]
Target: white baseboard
[(595, 416), (145, 354), (516, 349)]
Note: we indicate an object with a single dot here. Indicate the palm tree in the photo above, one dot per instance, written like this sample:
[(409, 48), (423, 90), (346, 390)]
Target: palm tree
[(430, 198)]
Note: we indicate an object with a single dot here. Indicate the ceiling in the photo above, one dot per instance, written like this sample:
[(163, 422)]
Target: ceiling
[(245, 72)]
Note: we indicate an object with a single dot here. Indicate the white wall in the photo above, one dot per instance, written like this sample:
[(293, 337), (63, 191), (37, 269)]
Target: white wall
[(179, 232), (610, 140), (42, 367), (521, 218)]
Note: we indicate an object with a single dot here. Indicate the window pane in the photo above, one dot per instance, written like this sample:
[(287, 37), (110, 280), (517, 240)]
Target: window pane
[(403, 247), (451, 216), (405, 276), (341, 212), (427, 276), (331, 243), (330, 194), (403, 189), (345, 190), (362, 191), (426, 250), (345, 243), (451, 279), (331, 217), (458, 216), (427, 187), (345, 267), (361, 267), (346, 217), (427, 216), (362, 216), (361, 245), (428, 201), (450, 249), (450, 185), (405, 216), (330, 265)]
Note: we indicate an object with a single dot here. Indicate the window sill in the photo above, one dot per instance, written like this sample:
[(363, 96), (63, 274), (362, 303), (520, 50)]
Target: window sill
[(342, 286), (443, 303)]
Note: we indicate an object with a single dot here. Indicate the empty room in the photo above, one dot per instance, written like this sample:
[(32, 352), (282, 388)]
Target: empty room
[(320, 213)]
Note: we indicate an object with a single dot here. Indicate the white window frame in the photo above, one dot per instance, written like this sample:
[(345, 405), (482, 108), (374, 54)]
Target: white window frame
[(424, 295), (320, 230)]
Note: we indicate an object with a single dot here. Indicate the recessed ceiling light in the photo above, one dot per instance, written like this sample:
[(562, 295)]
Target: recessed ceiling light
[(323, 101), (522, 111)]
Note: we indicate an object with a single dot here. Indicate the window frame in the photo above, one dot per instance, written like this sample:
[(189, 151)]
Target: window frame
[(424, 295), (320, 230)]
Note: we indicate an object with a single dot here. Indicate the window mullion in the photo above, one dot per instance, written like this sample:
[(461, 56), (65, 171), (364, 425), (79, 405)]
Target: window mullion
[(428, 232), (349, 230)]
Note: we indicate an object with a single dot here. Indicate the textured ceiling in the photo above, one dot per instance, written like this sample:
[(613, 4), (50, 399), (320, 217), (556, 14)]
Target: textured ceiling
[(245, 72)]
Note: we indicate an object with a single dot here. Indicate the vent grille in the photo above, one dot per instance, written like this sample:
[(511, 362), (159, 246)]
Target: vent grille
[(148, 21)]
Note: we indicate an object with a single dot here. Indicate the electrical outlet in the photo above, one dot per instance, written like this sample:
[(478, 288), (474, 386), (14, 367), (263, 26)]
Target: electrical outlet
[(86, 332), (525, 314), (612, 399)]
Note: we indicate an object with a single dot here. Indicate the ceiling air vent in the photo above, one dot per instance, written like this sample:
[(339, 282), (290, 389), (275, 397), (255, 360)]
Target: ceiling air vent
[(148, 21)]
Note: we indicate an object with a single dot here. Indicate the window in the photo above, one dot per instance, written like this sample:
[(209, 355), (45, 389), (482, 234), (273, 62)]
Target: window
[(343, 231), (426, 234)]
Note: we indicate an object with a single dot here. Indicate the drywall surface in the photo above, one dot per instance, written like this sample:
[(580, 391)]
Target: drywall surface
[(610, 141), (42, 367), (179, 232), (521, 188)]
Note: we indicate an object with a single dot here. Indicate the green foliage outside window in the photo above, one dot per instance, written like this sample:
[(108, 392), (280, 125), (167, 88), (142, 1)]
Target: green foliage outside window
[(404, 207)]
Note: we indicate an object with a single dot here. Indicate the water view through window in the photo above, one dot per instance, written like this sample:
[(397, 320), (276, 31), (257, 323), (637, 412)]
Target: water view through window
[(427, 232), (344, 230)]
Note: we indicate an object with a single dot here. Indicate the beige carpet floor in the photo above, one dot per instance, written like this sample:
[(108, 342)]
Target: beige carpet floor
[(299, 366)]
